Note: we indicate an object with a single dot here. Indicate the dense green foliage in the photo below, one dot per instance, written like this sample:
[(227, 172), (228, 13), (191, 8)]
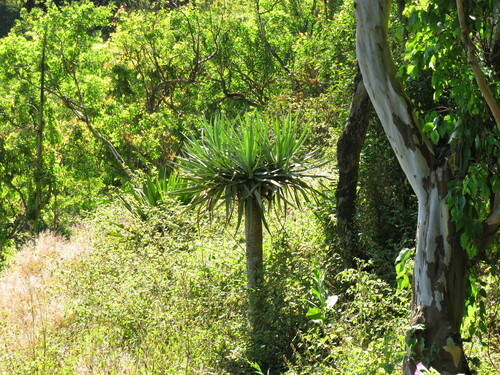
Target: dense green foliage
[(456, 118), (99, 105), (453, 110), (122, 87)]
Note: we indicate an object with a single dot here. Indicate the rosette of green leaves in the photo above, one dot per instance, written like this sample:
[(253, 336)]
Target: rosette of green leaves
[(249, 158)]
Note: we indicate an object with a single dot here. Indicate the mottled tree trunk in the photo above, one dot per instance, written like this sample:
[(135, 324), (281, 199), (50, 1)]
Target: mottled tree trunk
[(439, 285), (348, 153), (440, 266)]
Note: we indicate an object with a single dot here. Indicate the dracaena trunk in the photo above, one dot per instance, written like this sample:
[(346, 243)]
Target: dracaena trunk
[(254, 255)]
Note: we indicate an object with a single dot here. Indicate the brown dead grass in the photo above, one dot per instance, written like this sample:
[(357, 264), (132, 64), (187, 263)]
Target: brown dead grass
[(31, 290)]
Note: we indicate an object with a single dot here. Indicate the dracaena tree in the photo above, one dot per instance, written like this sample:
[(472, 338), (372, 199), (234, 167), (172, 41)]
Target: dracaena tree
[(248, 165)]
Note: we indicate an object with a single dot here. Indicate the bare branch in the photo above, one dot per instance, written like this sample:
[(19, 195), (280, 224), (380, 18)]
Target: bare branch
[(70, 104), (18, 191)]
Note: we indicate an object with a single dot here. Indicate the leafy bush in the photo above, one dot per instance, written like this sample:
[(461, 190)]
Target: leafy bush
[(151, 297), (162, 293), (361, 330)]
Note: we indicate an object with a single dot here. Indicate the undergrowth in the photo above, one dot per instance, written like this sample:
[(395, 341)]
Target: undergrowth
[(167, 295)]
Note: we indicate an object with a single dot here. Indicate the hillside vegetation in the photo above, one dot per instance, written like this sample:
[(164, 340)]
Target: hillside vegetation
[(171, 299), (168, 297), (140, 140)]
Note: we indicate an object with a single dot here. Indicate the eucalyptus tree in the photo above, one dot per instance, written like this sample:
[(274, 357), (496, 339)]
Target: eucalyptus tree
[(250, 164), (450, 156)]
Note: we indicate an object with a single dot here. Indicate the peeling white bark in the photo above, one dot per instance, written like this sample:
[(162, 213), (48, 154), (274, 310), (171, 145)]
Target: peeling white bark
[(386, 92), (433, 250), (440, 263), (494, 217), (414, 155), (401, 127)]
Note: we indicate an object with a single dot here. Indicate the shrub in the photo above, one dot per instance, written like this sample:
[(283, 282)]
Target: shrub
[(362, 333)]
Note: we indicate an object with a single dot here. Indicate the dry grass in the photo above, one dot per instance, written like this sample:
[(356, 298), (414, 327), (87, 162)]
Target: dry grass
[(31, 293)]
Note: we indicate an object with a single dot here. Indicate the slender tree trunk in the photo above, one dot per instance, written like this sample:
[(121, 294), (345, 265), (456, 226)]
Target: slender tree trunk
[(441, 266), (39, 175), (348, 153), (254, 256)]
